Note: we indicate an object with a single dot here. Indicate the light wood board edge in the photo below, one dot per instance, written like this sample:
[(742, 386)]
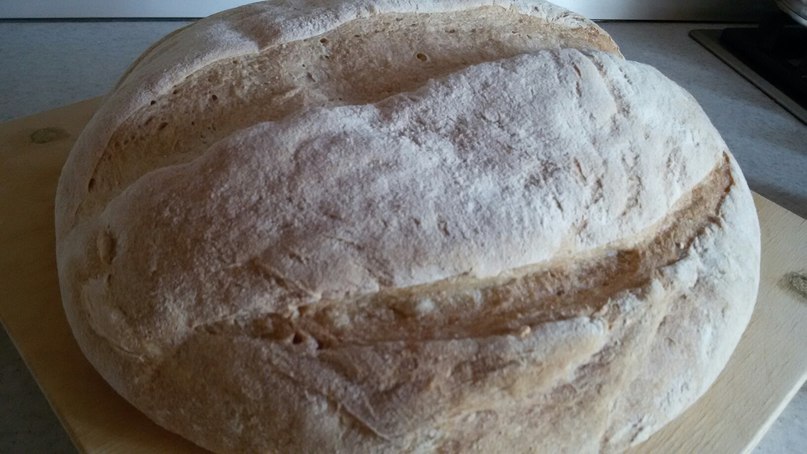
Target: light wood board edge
[(95, 418), (770, 363)]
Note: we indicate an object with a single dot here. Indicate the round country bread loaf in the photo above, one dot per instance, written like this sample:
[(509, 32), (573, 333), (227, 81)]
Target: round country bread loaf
[(399, 226)]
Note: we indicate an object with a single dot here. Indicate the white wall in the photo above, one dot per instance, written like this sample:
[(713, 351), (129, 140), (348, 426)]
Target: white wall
[(713, 10), (113, 8)]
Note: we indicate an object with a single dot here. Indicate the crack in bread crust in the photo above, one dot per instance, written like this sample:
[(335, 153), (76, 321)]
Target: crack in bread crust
[(394, 401), (318, 71), (458, 308)]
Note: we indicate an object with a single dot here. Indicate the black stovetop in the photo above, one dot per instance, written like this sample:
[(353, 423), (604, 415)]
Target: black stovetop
[(775, 51)]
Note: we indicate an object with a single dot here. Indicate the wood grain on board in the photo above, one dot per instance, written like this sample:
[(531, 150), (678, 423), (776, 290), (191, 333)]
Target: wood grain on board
[(768, 367)]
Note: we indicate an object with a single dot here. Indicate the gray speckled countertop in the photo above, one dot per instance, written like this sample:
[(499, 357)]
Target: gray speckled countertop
[(46, 65)]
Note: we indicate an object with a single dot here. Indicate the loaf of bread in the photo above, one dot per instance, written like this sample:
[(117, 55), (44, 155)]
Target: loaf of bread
[(402, 226)]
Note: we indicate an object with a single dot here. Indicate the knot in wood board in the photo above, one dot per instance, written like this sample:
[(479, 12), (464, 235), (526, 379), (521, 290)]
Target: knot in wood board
[(49, 134), (798, 283)]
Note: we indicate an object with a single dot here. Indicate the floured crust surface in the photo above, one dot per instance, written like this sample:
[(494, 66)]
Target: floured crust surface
[(374, 227)]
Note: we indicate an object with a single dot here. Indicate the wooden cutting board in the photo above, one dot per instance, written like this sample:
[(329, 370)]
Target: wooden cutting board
[(767, 369)]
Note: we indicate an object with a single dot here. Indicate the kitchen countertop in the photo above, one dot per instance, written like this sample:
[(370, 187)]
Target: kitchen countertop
[(49, 64)]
